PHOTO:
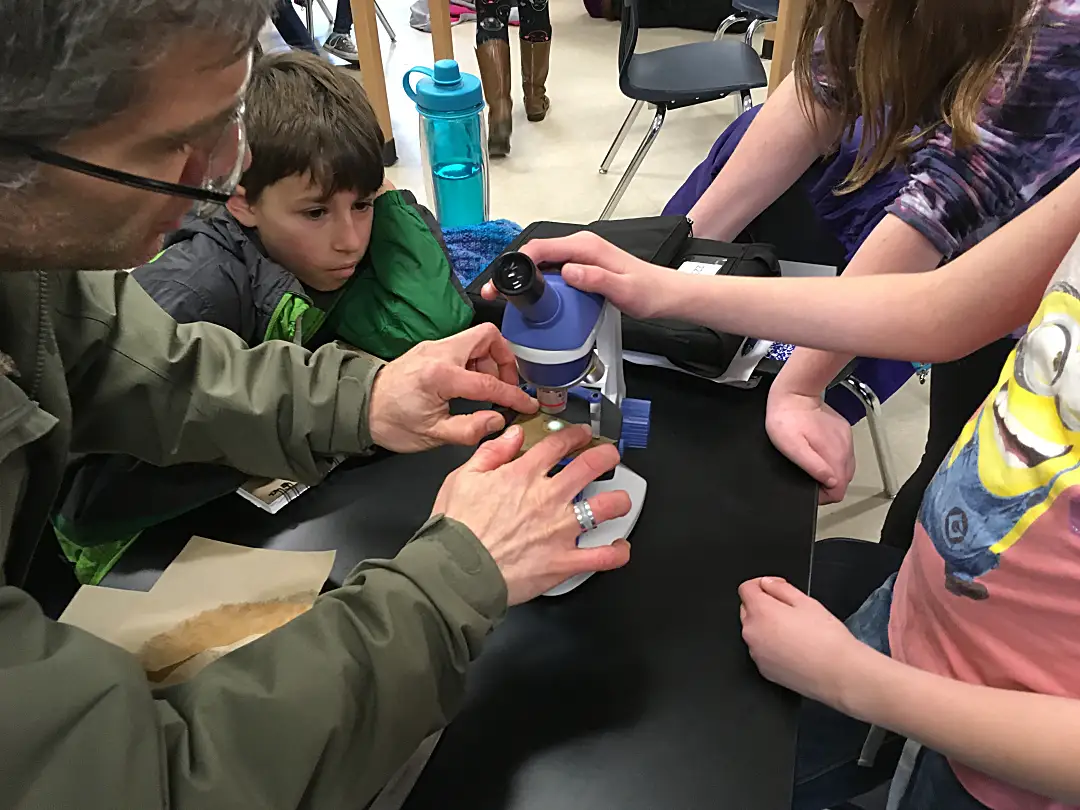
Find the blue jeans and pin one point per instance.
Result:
(295, 33)
(292, 30)
(934, 785)
(827, 770)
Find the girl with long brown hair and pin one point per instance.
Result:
(909, 130)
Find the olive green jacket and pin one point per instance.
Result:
(317, 714)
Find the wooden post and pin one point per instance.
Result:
(442, 43)
(785, 40)
(369, 54)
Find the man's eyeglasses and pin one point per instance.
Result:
(224, 166)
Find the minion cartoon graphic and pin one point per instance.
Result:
(1016, 456)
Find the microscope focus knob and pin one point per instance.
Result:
(635, 423)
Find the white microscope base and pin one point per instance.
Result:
(607, 533)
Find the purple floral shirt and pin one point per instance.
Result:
(1028, 142)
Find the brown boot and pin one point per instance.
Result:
(534, 73)
(494, 60)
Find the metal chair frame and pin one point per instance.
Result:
(627, 44)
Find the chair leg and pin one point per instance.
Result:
(746, 101)
(385, 23)
(876, 423)
(751, 29)
(635, 162)
(726, 24)
(325, 11)
(621, 136)
(310, 14)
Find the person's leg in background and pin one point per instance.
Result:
(535, 56)
(339, 41)
(493, 57)
(957, 389)
(292, 30)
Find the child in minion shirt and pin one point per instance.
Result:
(972, 650)
(990, 591)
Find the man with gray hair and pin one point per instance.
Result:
(115, 116)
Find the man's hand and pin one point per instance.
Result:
(797, 643)
(813, 436)
(592, 264)
(524, 518)
(410, 401)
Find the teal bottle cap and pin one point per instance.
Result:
(445, 89)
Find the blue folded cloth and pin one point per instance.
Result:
(781, 352)
(472, 248)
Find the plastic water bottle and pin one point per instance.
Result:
(453, 142)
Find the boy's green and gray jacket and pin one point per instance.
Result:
(404, 292)
(314, 715)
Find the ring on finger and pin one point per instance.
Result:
(584, 514)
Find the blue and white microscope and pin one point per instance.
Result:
(568, 346)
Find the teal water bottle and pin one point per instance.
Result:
(453, 142)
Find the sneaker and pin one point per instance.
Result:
(341, 46)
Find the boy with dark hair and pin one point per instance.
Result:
(315, 246)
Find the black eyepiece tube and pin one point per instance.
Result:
(517, 279)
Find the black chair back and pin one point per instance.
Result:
(628, 36)
(763, 9)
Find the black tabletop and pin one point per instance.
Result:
(635, 690)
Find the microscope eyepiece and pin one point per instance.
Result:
(515, 275)
(517, 278)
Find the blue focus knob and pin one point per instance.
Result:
(635, 423)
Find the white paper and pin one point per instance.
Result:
(213, 597)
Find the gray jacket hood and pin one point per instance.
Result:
(204, 254)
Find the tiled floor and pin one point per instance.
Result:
(552, 174)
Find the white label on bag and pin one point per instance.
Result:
(702, 268)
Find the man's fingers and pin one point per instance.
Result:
(605, 506)
(601, 558)
(484, 365)
(468, 428)
(783, 591)
(484, 341)
(497, 452)
(493, 349)
(488, 292)
(494, 352)
(460, 383)
(585, 469)
(557, 446)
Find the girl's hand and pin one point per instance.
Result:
(592, 264)
(814, 436)
(797, 643)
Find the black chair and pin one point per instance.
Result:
(755, 13)
(671, 78)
